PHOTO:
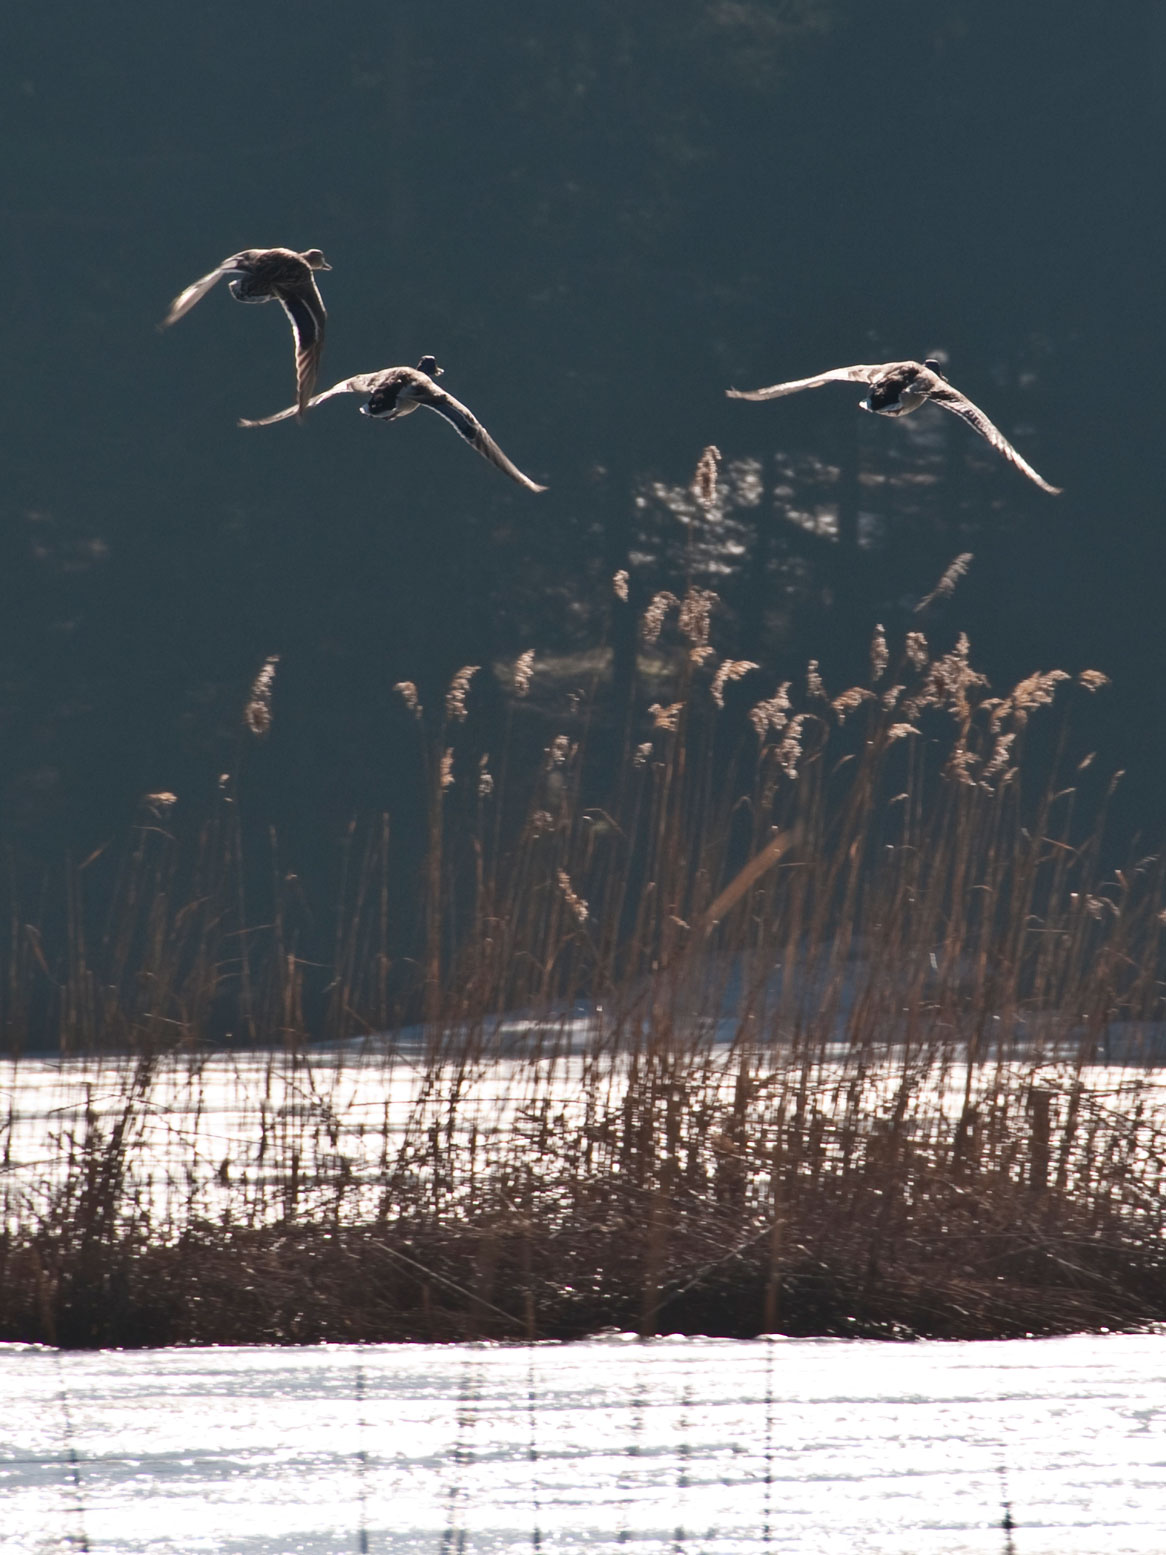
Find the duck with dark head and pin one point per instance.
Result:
(898, 388)
(399, 391)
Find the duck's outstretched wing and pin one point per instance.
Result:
(305, 308)
(857, 374)
(194, 293)
(362, 383)
(467, 424)
(959, 405)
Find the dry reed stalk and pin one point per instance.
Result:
(865, 1042)
(745, 877)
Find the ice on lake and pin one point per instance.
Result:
(675, 1444)
(214, 1132)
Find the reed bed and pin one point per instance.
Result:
(815, 1013)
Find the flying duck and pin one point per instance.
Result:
(896, 389)
(258, 275)
(397, 391)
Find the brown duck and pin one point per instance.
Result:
(398, 391)
(896, 389)
(258, 275)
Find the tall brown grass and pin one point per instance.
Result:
(830, 1016)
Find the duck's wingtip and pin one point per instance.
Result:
(175, 312)
(735, 394)
(534, 486)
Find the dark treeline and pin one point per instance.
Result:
(597, 217)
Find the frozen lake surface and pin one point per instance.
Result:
(819, 1446)
(213, 1132)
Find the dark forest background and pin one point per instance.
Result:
(597, 217)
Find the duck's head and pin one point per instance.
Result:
(934, 365)
(314, 259)
(428, 365)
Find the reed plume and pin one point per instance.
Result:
(916, 651)
(523, 672)
(849, 700)
(704, 481)
(575, 903)
(257, 712)
(728, 671)
(879, 656)
(946, 585)
(666, 717)
(654, 614)
(160, 803)
(407, 691)
(456, 710)
(772, 713)
(1092, 680)
(808, 1032)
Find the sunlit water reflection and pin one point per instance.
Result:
(677, 1444)
(216, 1132)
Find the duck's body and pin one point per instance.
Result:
(898, 388)
(397, 392)
(261, 274)
(902, 388)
